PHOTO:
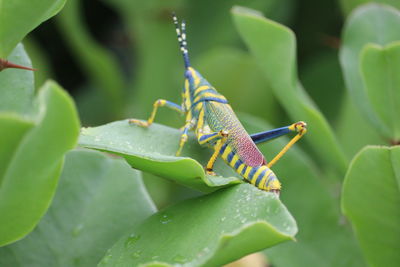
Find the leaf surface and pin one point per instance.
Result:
(98, 199)
(30, 178)
(19, 17)
(371, 23)
(206, 231)
(371, 200)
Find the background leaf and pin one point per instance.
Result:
(19, 17)
(349, 5)
(273, 46)
(379, 68)
(98, 199)
(207, 231)
(371, 199)
(365, 26)
(16, 85)
(29, 181)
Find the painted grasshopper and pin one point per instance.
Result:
(216, 125)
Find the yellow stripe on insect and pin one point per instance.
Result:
(240, 169)
(202, 88)
(226, 152)
(201, 119)
(195, 77)
(208, 95)
(262, 183)
(235, 158)
(254, 178)
(246, 174)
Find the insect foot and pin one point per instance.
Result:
(210, 172)
(139, 123)
(301, 127)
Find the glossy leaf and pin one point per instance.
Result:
(273, 45)
(371, 200)
(19, 17)
(153, 150)
(207, 231)
(370, 23)
(97, 200)
(16, 85)
(30, 178)
(379, 69)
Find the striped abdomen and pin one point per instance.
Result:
(260, 176)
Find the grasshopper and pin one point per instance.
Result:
(209, 114)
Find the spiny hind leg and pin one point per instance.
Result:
(301, 129)
(158, 103)
(220, 139)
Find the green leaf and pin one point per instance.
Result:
(12, 130)
(355, 131)
(370, 23)
(16, 85)
(31, 176)
(371, 200)
(98, 199)
(153, 149)
(207, 231)
(19, 17)
(379, 69)
(274, 47)
(311, 202)
(349, 5)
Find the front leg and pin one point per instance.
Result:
(158, 103)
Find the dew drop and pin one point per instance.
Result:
(131, 240)
(136, 254)
(165, 219)
(179, 258)
(106, 259)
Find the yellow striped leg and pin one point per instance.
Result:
(158, 103)
(217, 148)
(301, 129)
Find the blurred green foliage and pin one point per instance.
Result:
(350, 99)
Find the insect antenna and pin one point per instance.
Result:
(181, 33)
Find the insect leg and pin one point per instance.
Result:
(184, 136)
(158, 103)
(272, 134)
(217, 148)
(301, 129)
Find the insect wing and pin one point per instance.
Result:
(219, 117)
